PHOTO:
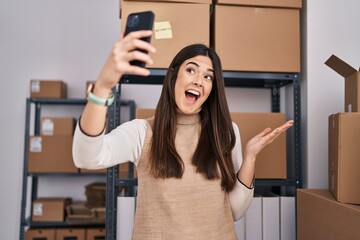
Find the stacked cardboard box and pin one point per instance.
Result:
(65, 233)
(260, 36)
(95, 194)
(48, 88)
(344, 135)
(49, 209)
(248, 35)
(177, 24)
(335, 212)
(320, 216)
(51, 152)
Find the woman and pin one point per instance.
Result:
(192, 180)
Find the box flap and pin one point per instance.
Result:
(340, 66)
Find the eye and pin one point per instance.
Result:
(190, 70)
(209, 77)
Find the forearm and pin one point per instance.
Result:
(247, 171)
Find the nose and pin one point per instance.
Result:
(198, 81)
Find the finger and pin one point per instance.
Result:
(264, 132)
(140, 56)
(136, 70)
(143, 45)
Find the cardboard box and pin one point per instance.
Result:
(36, 234)
(320, 216)
(176, 1)
(70, 233)
(51, 154)
(48, 88)
(258, 39)
(49, 209)
(176, 26)
(344, 152)
(144, 113)
(58, 126)
(352, 82)
(271, 161)
(265, 3)
(95, 233)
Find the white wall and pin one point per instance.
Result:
(331, 29)
(70, 39)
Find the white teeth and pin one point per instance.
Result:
(193, 92)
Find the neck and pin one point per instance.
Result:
(187, 119)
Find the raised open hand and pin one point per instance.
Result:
(266, 137)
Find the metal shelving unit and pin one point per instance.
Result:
(34, 177)
(271, 81)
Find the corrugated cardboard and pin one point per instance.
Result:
(57, 126)
(49, 209)
(48, 88)
(95, 233)
(35, 234)
(344, 161)
(259, 39)
(51, 154)
(320, 216)
(271, 161)
(70, 233)
(352, 82)
(189, 24)
(265, 3)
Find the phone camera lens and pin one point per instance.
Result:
(133, 21)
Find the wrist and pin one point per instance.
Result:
(100, 96)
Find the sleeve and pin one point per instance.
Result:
(123, 144)
(241, 196)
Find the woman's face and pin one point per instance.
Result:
(193, 84)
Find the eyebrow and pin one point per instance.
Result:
(194, 63)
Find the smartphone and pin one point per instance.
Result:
(139, 21)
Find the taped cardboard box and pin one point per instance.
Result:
(41, 233)
(352, 82)
(257, 38)
(49, 209)
(48, 88)
(271, 162)
(344, 152)
(57, 126)
(176, 26)
(50, 154)
(320, 216)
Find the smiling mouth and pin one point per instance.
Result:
(192, 95)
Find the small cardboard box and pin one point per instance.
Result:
(49, 209)
(344, 152)
(257, 38)
(48, 88)
(51, 154)
(56, 126)
(320, 216)
(263, 3)
(70, 233)
(176, 26)
(36, 234)
(271, 161)
(95, 233)
(352, 82)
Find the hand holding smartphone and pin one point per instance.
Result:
(139, 21)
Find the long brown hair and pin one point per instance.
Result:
(217, 136)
